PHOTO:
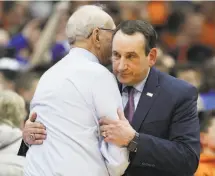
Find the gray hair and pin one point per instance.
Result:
(86, 18)
(12, 108)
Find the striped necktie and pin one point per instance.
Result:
(130, 107)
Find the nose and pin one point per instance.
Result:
(122, 65)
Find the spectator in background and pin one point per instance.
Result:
(25, 85)
(192, 74)
(9, 68)
(14, 15)
(12, 113)
(207, 157)
(165, 63)
(4, 37)
(208, 89)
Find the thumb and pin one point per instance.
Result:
(121, 114)
(33, 116)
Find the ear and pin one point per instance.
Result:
(95, 37)
(203, 139)
(152, 56)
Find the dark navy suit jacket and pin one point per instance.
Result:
(168, 124)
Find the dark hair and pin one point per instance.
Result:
(130, 27)
(24, 80)
(206, 120)
(174, 21)
(8, 6)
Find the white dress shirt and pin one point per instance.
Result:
(69, 100)
(138, 91)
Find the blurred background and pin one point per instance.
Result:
(32, 39)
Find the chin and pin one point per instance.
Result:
(123, 80)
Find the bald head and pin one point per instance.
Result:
(85, 19)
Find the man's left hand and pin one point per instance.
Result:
(118, 132)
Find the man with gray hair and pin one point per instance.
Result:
(71, 97)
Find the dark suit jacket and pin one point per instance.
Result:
(168, 124)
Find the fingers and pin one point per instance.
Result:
(121, 114)
(105, 128)
(35, 125)
(106, 121)
(37, 131)
(37, 142)
(33, 116)
(40, 137)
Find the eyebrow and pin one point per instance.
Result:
(131, 52)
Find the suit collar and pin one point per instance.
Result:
(85, 53)
(148, 96)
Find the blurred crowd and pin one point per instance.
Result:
(32, 39)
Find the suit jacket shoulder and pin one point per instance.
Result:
(176, 88)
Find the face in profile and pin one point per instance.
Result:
(105, 37)
(129, 59)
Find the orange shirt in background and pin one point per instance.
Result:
(208, 34)
(206, 166)
(157, 12)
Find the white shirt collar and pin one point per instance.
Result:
(90, 56)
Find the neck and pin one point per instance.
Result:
(85, 45)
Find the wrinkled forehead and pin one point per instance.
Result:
(122, 41)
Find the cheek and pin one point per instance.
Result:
(138, 67)
(115, 65)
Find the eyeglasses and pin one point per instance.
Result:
(111, 30)
(104, 29)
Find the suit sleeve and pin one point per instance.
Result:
(23, 149)
(107, 99)
(179, 154)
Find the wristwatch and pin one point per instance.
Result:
(132, 146)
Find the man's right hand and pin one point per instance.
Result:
(34, 133)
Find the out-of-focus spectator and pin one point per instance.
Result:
(14, 15)
(192, 74)
(207, 36)
(12, 113)
(40, 9)
(165, 63)
(25, 85)
(9, 68)
(4, 37)
(207, 157)
(208, 89)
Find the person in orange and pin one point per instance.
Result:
(207, 157)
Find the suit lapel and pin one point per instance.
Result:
(120, 87)
(149, 94)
